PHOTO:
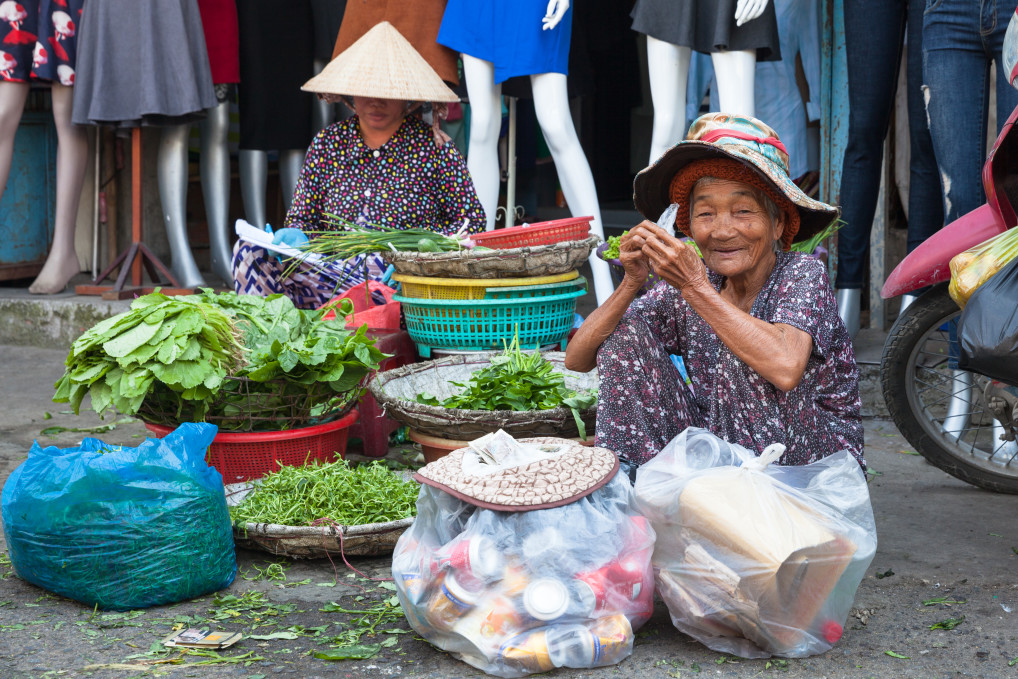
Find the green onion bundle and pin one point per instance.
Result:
(349, 496)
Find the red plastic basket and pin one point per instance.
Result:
(542, 233)
(252, 455)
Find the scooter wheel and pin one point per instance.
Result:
(938, 408)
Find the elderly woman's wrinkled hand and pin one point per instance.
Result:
(634, 261)
(673, 260)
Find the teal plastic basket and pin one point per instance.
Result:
(483, 324)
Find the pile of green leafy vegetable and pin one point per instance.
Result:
(349, 496)
(517, 380)
(181, 345)
(348, 239)
(806, 246)
(290, 367)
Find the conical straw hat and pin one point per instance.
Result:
(382, 63)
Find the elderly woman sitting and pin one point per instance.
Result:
(757, 327)
(382, 167)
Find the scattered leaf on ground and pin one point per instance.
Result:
(354, 652)
(950, 623)
(897, 655)
(886, 574)
(274, 635)
(942, 600)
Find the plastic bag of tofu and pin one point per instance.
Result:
(752, 558)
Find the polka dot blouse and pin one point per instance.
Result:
(408, 182)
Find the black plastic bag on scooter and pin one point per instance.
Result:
(988, 328)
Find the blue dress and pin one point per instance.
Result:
(509, 34)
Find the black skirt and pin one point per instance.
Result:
(708, 26)
(276, 58)
(328, 15)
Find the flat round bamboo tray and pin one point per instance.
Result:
(435, 448)
(396, 391)
(314, 542)
(535, 260)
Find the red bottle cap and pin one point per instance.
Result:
(832, 631)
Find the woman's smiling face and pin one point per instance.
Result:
(731, 225)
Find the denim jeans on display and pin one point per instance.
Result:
(960, 39)
(874, 31)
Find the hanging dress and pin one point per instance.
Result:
(219, 21)
(276, 58)
(509, 34)
(416, 20)
(708, 26)
(39, 40)
(141, 63)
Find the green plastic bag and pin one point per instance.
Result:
(121, 528)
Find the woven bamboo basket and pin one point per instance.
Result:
(536, 260)
(314, 542)
(396, 391)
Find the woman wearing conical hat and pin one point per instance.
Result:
(382, 167)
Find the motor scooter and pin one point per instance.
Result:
(960, 422)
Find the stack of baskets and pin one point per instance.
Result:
(452, 313)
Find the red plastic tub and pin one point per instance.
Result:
(251, 455)
(541, 233)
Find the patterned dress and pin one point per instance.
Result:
(408, 182)
(39, 40)
(644, 403)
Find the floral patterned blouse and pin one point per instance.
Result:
(408, 182)
(818, 417)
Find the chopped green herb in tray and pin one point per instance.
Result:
(349, 496)
(517, 381)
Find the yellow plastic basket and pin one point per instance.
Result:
(425, 287)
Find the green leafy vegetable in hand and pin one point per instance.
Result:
(520, 381)
(349, 496)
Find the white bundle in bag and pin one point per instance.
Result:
(752, 558)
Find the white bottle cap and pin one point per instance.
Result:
(546, 599)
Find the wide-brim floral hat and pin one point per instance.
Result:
(741, 138)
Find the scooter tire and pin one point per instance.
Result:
(900, 381)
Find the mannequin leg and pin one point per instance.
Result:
(485, 121)
(254, 173)
(172, 172)
(322, 112)
(668, 66)
(735, 72)
(290, 163)
(12, 104)
(551, 99)
(215, 186)
(72, 157)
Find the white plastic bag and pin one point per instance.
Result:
(514, 593)
(752, 558)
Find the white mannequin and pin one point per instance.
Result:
(254, 173)
(215, 181)
(72, 157)
(551, 102)
(668, 66)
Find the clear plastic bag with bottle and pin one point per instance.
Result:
(515, 593)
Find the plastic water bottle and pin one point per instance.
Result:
(571, 646)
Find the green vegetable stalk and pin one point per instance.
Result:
(519, 381)
(349, 496)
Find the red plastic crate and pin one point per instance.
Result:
(251, 455)
(542, 233)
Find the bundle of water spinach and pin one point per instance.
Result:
(336, 491)
(517, 380)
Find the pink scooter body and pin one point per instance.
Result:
(930, 262)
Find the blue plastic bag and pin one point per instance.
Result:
(121, 528)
